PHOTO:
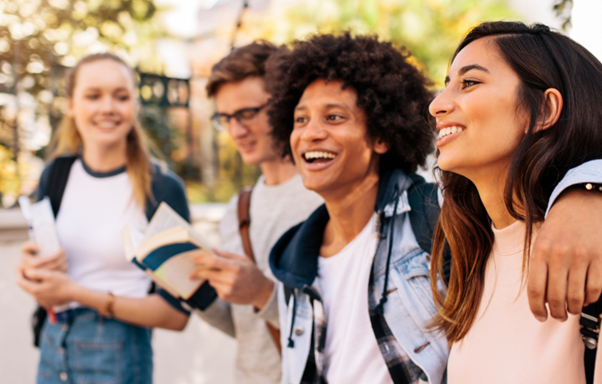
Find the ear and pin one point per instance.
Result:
(70, 109)
(381, 147)
(552, 107)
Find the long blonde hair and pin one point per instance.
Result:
(67, 140)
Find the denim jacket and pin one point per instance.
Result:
(413, 354)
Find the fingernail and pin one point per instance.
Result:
(541, 319)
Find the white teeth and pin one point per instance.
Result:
(448, 131)
(107, 124)
(319, 155)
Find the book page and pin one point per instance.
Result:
(131, 240)
(175, 272)
(164, 218)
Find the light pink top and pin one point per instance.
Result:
(506, 344)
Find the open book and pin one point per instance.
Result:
(161, 251)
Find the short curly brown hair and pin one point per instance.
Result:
(393, 93)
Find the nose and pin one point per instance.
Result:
(107, 104)
(236, 129)
(441, 105)
(314, 131)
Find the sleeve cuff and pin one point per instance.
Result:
(176, 303)
(590, 172)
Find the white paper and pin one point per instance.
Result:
(42, 228)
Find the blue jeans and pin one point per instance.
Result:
(87, 348)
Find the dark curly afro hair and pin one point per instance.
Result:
(393, 93)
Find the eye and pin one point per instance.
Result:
(123, 97)
(334, 117)
(468, 83)
(92, 96)
(300, 120)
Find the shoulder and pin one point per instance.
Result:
(164, 181)
(168, 187)
(63, 162)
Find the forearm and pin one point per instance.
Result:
(150, 311)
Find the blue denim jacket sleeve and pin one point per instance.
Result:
(590, 172)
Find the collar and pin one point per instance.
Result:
(294, 258)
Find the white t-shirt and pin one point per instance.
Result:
(93, 210)
(351, 353)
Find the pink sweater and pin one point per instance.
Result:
(506, 344)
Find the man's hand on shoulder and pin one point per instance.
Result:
(235, 278)
(566, 260)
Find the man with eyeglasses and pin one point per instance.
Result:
(247, 307)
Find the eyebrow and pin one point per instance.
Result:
(467, 68)
(327, 106)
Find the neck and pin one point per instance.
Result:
(491, 192)
(349, 213)
(105, 158)
(277, 171)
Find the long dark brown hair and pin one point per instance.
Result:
(542, 59)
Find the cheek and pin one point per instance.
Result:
(294, 142)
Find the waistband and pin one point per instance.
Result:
(70, 314)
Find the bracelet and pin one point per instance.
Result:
(108, 309)
(593, 187)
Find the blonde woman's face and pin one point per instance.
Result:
(103, 105)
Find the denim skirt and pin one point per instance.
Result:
(86, 348)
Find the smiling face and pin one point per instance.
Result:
(329, 141)
(253, 139)
(479, 123)
(103, 105)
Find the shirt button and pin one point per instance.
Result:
(60, 351)
(298, 331)
(63, 376)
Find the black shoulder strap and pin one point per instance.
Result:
(57, 181)
(424, 201)
(590, 329)
(59, 174)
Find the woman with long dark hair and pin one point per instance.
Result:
(520, 108)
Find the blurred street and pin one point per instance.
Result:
(198, 355)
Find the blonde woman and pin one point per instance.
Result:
(105, 179)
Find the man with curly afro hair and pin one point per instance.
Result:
(355, 297)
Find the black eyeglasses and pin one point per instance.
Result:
(245, 116)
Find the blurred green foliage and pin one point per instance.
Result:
(39, 39)
(430, 29)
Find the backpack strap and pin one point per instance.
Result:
(590, 329)
(244, 221)
(57, 181)
(59, 174)
(424, 203)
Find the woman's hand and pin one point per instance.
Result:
(48, 287)
(29, 259)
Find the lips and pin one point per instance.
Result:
(317, 160)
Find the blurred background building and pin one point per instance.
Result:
(173, 44)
